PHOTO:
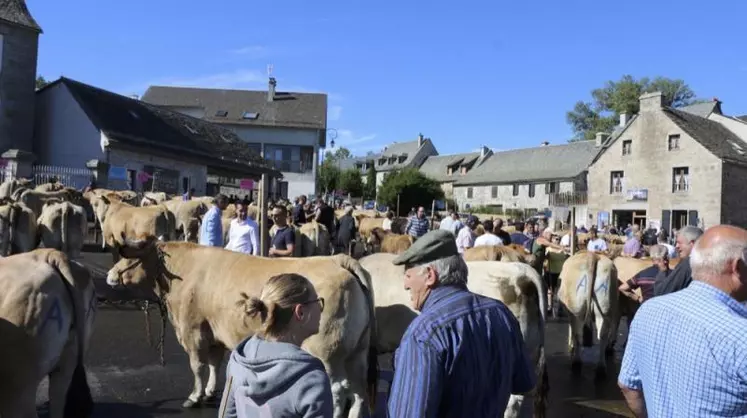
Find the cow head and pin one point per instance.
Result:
(138, 266)
(101, 203)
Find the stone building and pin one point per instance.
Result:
(19, 44)
(671, 167)
(526, 181)
(447, 169)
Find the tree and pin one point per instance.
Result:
(351, 182)
(329, 176)
(369, 189)
(340, 153)
(622, 96)
(41, 82)
(412, 186)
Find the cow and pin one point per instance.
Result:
(366, 225)
(50, 187)
(389, 242)
(120, 221)
(518, 285)
(497, 253)
(35, 200)
(154, 198)
(18, 232)
(8, 187)
(63, 226)
(312, 238)
(206, 288)
(588, 289)
(188, 216)
(47, 310)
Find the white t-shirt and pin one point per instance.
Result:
(386, 225)
(465, 239)
(243, 236)
(566, 240)
(488, 239)
(597, 245)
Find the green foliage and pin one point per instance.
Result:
(622, 96)
(351, 182)
(412, 186)
(369, 189)
(340, 153)
(488, 210)
(328, 176)
(41, 82)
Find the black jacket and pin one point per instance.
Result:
(677, 279)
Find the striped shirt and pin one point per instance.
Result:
(416, 227)
(461, 357)
(687, 352)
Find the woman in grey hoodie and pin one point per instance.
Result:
(269, 375)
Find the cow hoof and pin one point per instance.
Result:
(189, 403)
(209, 399)
(601, 373)
(576, 366)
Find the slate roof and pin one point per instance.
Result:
(742, 118)
(288, 110)
(703, 109)
(409, 149)
(715, 137)
(16, 12)
(134, 123)
(537, 164)
(436, 166)
(348, 163)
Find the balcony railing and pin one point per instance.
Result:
(292, 166)
(568, 198)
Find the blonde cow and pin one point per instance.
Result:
(63, 226)
(47, 310)
(312, 238)
(516, 284)
(588, 290)
(389, 242)
(17, 228)
(206, 290)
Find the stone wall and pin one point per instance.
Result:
(734, 204)
(482, 195)
(17, 86)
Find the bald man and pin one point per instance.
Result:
(688, 349)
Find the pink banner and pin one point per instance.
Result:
(246, 184)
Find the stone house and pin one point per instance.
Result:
(670, 167)
(145, 146)
(526, 181)
(401, 155)
(286, 128)
(446, 169)
(19, 44)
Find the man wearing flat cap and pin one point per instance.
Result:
(464, 354)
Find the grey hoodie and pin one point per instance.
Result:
(274, 379)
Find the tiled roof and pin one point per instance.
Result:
(703, 109)
(408, 149)
(436, 166)
(537, 164)
(16, 12)
(135, 123)
(712, 135)
(289, 110)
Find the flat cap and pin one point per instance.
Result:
(432, 246)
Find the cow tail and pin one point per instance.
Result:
(15, 211)
(63, 226)
(543, 386)
(78, 401)
(591, 270)
(364, 278)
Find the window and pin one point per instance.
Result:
(221, 113)
(673, 142)
(627, 147)
(680, 179)
(551, 187)
(531, 190)
(469, 193)
(291, 159)
(250, 115)
(402, 159)
(616, 182)
(494, 192)
(515, 191)
(450, 170)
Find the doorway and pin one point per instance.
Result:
(622, 218)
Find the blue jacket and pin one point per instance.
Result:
(211, 231)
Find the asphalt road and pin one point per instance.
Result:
(128, 381)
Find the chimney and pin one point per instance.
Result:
(135, 96)
(483, 151)
(271, 89)
(601, 137)
(651, 101)
(420, 140)
(544, 143)
(623, 119)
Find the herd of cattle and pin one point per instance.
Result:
(48, 302)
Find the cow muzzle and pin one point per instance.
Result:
(113, 280)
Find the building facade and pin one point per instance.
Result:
(287, 129)
(670, 168)
(447, 169)
(19, 44)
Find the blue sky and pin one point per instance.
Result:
(502, 74)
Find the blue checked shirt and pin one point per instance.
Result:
(687, 352)
(416, 227)
(461, 357)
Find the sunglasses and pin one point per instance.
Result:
(318, 300)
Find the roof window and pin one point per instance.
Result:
(250, 115)
(221, 113)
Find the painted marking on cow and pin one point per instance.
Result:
(605, 285)
(581, 283)
(54, 313)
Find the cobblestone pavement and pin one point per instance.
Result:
(128, 381)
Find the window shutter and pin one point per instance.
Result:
(666, 220)
(692, 217)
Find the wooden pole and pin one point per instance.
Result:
(264, 230)
(433, 213)
(397, 204)
(573, 233)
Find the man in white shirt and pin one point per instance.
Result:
(595, 243)
(488, 238)
(465, 237)
(243, 235)
(448, 223)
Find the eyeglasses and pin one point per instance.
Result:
(319, 300)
